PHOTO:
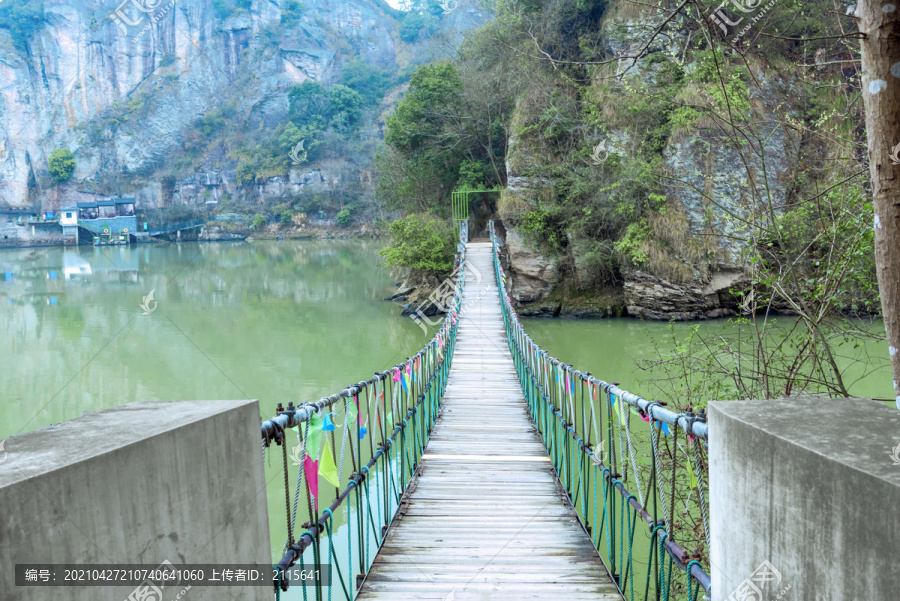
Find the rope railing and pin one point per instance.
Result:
(586, 426)
(387, 421)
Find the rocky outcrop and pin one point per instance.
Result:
(422, 295)
(523, 186)
(650, 297)
(570, 311)
(532, 276)
(710, 168)
(217, 233)
(695, 260)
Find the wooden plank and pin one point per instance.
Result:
(475, 576)
(564, 562)
(442, 592)
(507, 589)
(445, 509)
(485, 517)
(492, 458)
(468, 555)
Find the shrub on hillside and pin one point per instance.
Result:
(62, 164)
(421, 242)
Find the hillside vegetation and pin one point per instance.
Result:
(666, 163)
(653, 160)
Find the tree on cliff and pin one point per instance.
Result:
(445, 132)
(22, 19)
(62, 164)
(879, 23)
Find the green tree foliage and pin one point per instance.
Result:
(421, 242)
(473, 174)
(343, 218)
(316, 107)
(445, 133)
(291, 135)
(411, 26)
(259, 221)
(344, 106)
(540, 224)
(830, 248)
(224, 8)
(309, 104)
(22, 18)
(421, 20)
(61, 164)
(209, 128)
(370, 82)
(420, 117)
(212, 122)
(246, 172)
(291, 11)
(326, 120)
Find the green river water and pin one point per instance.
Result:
(274, 321)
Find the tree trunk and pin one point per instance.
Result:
(879, 21)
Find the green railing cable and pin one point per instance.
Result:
(552, 391)
(397, 407)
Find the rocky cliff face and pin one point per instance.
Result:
(708, 196)
(118, 84)
(532, 275)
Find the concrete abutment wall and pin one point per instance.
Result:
(803, 500)
(138, 484)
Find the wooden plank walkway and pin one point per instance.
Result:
(485, 517)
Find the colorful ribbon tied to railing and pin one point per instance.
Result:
(366, 442)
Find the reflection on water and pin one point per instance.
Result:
(278, 322)
(74, 265)
(288, 321)
(611, 350)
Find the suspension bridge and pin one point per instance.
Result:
(479, 468)
(483, 468)
(447, 537)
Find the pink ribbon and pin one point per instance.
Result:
(311, 472)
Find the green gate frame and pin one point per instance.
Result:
(459, 203)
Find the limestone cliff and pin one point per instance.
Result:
(688, 247)
(119, 85)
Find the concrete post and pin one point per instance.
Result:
(138, 484)
(803, 500)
